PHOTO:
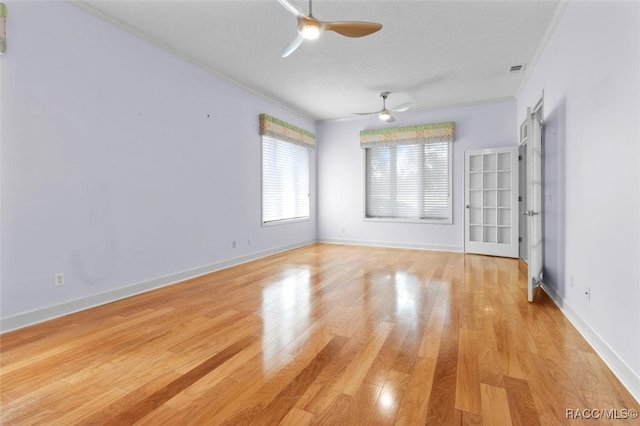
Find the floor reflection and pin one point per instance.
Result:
(405, 285)
(286, 306)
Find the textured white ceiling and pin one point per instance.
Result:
(432, 53)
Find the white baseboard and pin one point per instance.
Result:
(629, 378)
(50, 312)
(433, 247)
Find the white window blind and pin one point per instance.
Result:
(285, 180)
(409, 181)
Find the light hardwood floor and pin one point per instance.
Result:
(325, 334)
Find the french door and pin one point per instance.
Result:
(491, 218)
(533, 139)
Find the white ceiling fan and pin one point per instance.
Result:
(310, 28)
(385, 114)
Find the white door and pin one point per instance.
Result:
(522, 199)
(491, 201)
(534, 201)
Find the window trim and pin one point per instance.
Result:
(444, 221)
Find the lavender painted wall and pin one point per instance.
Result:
(590, 74)
(341, 174)
(122, 163)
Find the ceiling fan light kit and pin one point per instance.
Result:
(310, 30)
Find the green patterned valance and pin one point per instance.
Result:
(3, 28)
(271, 126)
(437, 132)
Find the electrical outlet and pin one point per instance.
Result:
(587, 293)
(59, 279)
(571, 280)
(233, 244)
(248, 241)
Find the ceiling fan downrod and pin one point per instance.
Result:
(384, 95)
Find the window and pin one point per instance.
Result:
(408, 173)
(285, 180)
(285, 170)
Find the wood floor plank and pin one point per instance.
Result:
(80, 412)
(289, 396)
(244, 398)
(491, 369)
(336, 413)
(432, 334)
(363, 406)
(148, 403)
(442, 410)
(322, 393)
(383, 362)
(323, 334)
(507, 346)
(297, 417)
(468, 377)
(468, 419)
(548, 399)
(495, 406)
(162, 415)
(56, 355)
(417, 396)
(521, 406)
(244, 401)
(356, 371)
(391, 396)
(608, 384)
(123, 408)
(412, 343)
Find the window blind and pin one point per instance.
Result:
(408, 181)
(285, 180)
(408, 172)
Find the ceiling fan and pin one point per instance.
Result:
(385, 114)
(309, 27)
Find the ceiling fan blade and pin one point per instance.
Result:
(291, 47)
(292, 7)
(352, 28)
(402, 107)
(366, 113)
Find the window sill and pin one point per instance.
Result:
(447, 221)
(285, 221)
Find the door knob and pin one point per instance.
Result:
(468, 206)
